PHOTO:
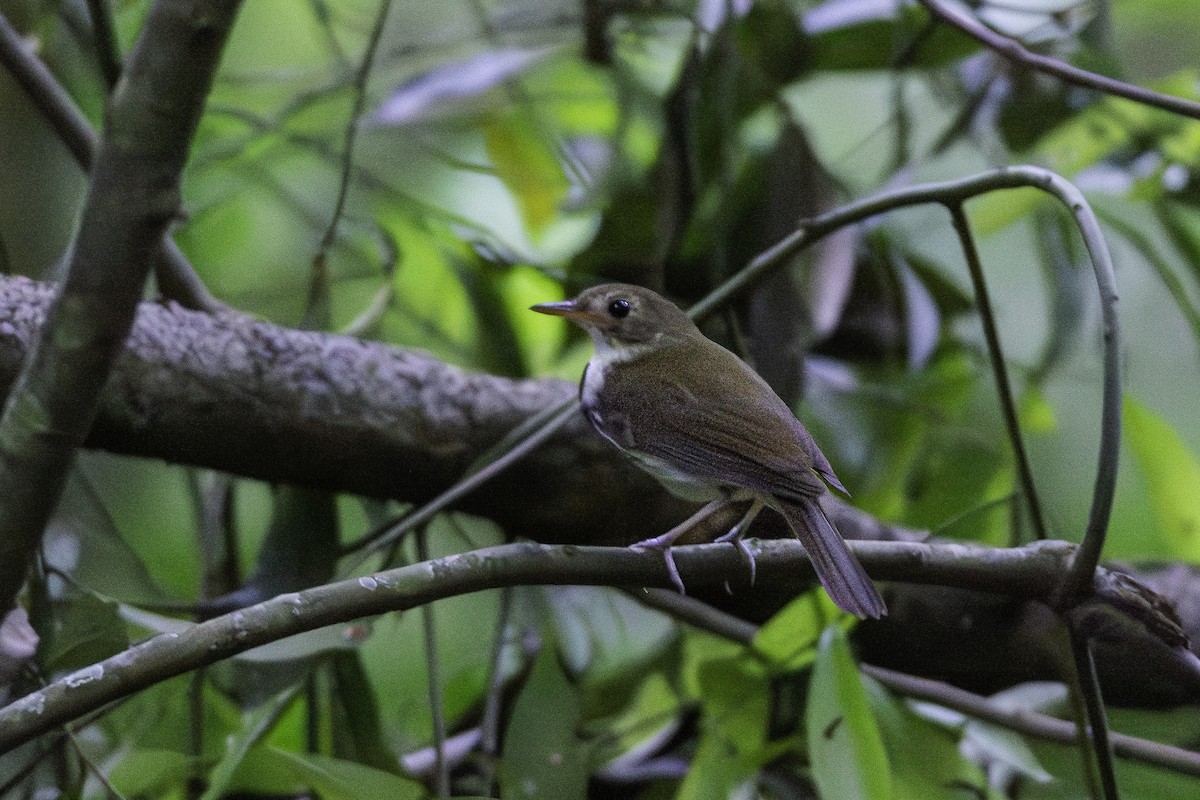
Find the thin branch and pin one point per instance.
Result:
(437, 713)
(108, 49)
(1008, 406)
(176, 277)
(48, 96)
(1015, 52)
(1032, 572)
(1095, 722)
(489, 724)
(1031, 723)
(133, 196)
(510, 453)
(318, 291)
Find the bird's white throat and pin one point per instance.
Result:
(605, 356)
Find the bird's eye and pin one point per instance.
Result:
(619, 308)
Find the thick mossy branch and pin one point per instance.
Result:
(332, 412)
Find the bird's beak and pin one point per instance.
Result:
(566, 308)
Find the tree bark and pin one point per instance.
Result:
(262, 401)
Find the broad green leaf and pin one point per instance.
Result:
(83, 541)
(735, 699)
(788, 639)
(926, 763)
(255, 725)
(1005, 753)
(151, 773)
(716, 772)
(734, 746)
(527, 160)
(543, 757)
(653, 712)
(1172, 474)
(357, 732)
(603, 633)
(270, 770)
(844, 741)
(89, 630)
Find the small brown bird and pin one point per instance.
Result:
(709, 428)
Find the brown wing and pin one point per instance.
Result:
(732, 430)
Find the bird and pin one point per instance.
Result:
(706, 425)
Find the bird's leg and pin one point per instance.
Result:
(738, 531)
(664, 542)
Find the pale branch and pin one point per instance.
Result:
(1034, 571)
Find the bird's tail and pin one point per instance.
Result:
(837, 568)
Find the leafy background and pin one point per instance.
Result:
(493, 164)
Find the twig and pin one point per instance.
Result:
(176, 277)
(320, 278)
(489, 724)
(999, 369)
(555, 417)
(1017, 53)
(108, 50)
(1094, 723)
(48, 96)
(436, 711)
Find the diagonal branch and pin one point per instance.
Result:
(176, 278)
(1008, 406)
(1017, 53)
(133, 196)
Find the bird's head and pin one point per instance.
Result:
(625, 318)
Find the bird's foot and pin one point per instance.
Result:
(664, 542)
(663, 545)
(734, 537)
(738, 531)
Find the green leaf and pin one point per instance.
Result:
(151, 773)
(788, 640)
(927, 763)
(603, 633)
(270, 770)
(83, 541)
(89, 631)
(255, 725)
(543, 757)
(844, 741)
(1172, 474)
(527, 161)
(735, 699)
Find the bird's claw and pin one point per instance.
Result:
(735, 538)
(663, 545)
